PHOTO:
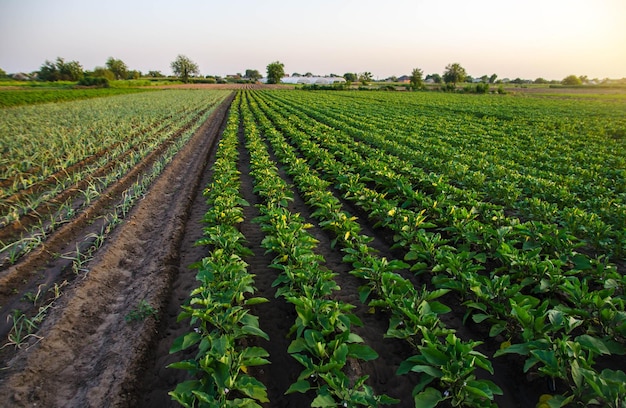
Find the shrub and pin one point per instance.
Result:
(99, 82)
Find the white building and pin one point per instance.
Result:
(308, 80)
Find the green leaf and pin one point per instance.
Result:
(480, 317)
(430, 370)
(434, 356)
(252, 387)
(186, 341)
(362, 352)
(301, 386)
(522, 349)
(581, 262)
(255, 301)
(255, 331)
(593, 343)
(429, 398)
(189, 365)
(324, 401)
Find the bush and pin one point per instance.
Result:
(482, 88)
(98, 82)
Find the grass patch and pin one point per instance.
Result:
(30, 96)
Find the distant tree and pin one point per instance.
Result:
(275, 72)
(308, 74)
(3, 73)
(571, 80)
(541, 81)
(416, 79)
(61, 70)
(133, 74)
(71, 71)
(435, 77)
(118, 67)
(454, 74)
(392, 78)
(365, 77)
(492, 78)
(253, 75)
(350, 77)
(183, 68)
(584, 79)
(155, 74)
(101, 72)
(296, 74)
(484, 79)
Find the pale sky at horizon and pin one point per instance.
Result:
(526, 39)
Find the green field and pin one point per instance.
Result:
(504, 219)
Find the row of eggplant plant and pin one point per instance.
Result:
(218, 309)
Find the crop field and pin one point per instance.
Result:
(284, 248)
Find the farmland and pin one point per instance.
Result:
(315, 249)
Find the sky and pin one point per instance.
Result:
(527, 39)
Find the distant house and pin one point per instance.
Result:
(404, 79)
(20, 76)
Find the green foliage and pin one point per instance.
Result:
(350, 77)
(365, 77)
(36, 96)
(571, 80)
(99, 82)
(117, 67)
(184, 68)
(60, 71)
(253, 75)
(416, 79)
(275, 72)
(454, 74)
(524, 280)
(142, 312)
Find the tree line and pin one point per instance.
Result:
(185, 69)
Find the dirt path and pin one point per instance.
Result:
(89, 355)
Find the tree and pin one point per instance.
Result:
(155, 74)
(492, 78)
(118, 67)
(101, 72)
(134, 74)
(253, 75)
(275, 72)
(3, 73)
(350, 77)
(61, 70)
(365, 77)
(571, 80)
(454, 74)
(183, 68)
(416, 79)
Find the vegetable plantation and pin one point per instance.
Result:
(347, 249)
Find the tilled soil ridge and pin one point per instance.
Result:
(89, 355)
